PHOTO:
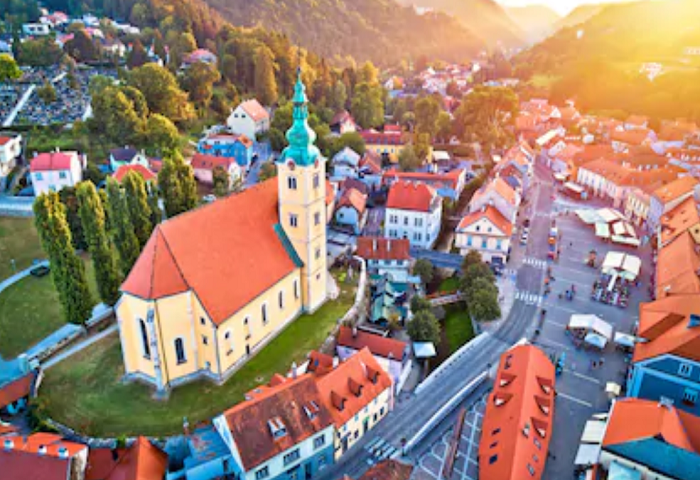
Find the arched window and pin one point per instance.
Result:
(144, 339)
(281, 299)
(180, 351)
(292, 183)
(264, 313)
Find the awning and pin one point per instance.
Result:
(613, 260)
(602, 230)
(632, 242)
(424, 349)
(632, 265)
(618, 471)
(592, 323)
(596, 340)
(587, 454)
(625, 339)
(589, 217)
(610, 215)
(594, 431)
(574, 187)
(561, 176)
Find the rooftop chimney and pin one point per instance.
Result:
(63, 452)
(354, 332)
(374, 244)
(42, 450)
(694, 320)
(294, 370)
(388, 245)
(666, 402)
(335, 362)
(8, 444)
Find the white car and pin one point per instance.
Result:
(524, 236)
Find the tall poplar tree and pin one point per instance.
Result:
(67, 269)
(137, 203)
(177, 185)
(122, 231)
(92, 216)
(155, 214)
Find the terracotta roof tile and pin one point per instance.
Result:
(388, 470)
(490, 213)
(380, 346)
(256, 111)
(677, 268)
(201, 161)
(226, 252)
(141, 461)
(676, 189)
(411, 196)
(379, 248)
(145, 173)
(53, 161)
(23, 462)
(354, 199)
(680, 220)
(520, 409)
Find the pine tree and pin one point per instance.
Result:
(92, 215)
(122, 231)
(137, 203)
(67, 269)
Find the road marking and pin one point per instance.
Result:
(559, 307)
(575, 400)
(558, 324)
(551, 343)
(584, 377)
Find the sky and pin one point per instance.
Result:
(560, 6)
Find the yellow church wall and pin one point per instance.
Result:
(129, 311)
(175, 317)
(233, 348)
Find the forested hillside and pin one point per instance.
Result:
(536, 21)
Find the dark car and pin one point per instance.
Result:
(40, 271)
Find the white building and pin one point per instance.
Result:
(346, 164)
(414, 212)
(499, 194)
(32, 29)
(351, 210)
(56, 170)
(488, 232)
(386, 256)
(250, 119)
(10, 149)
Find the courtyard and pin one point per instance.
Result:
(85, 391)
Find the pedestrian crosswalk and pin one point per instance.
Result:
(536, 262)
(529, 298)
(510, 272)
(380, 449)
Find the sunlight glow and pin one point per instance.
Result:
(562, 7)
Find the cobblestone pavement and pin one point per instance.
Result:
(429, 466)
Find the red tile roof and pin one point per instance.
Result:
(500, 187)
(256, 111)
(519, 412)
(379, 248)
(16, 389)
(145, 173)
(637, 120)
(287, 402)
(141, 461)
(352, 385)
(490, 213)
(630, 137)
(677, 268)
(23, 462)
(681, 219)
(666, 325)
(226, 252)
(378, 345)
(410, 196)
(201, 161)
(633, 419)
(52, 161)
(676, 189)
(388, 137)
(5, 140)
(435, 180)
(353, 198)
(371, 162)
(388, 470)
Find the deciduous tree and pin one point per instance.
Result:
(161, 91)
(161, 135)
(265, 82)
(408, 160)
(367, 105)
(424, 269)
(9, 70)
(487, 116)
(424, 327)
(221, 181)
(198, 80)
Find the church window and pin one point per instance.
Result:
(264, 314)
(180, 351)
(292, 183)
(229, 342)
(317, 180)
(144, 340)
(296, 289)
(281, 299)
(317, 218)
(293, 220)
(318, 253)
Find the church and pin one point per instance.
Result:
(214, 285)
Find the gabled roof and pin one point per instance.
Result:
(371, 162)
(380, 346)
(201, 161)
(388, 470)
(410, 196)
(435, 180)
(145, 173)
(518, 415)
(125, 154)
(23, 461)
(347, 155)
(676, 189)
(141, 461)
(227, 252)
(52, 161)
(352, 385)
(630, 137)
(491, 214)
(499, 187)
(352, 198)
(287, 405)
(254, 110)
(666, 325)
(681, 219)
(637, 120)
(379, 248)
(677, 268)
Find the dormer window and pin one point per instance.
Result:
(277, 427)
(311, 409)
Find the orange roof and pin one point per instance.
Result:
(353, 198)
(145, 173)
(256, 111)
(388, 470)
(352, 385)
(25, 462)
(380, 346)
(500, 187)
(630, 137)
(380, 248)
(518, 416)
(637, 120)
(677, 188)
(679, 220)
(677, 268)
(292, 404)
(667, 327)
(410, 196)
(490, 213)
(435, 180)
(141, 461)
(201, 161)
(594, 152)
(227, 252)
(16, 389)
(372, 162)
(636, 419)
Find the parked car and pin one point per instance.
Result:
(40, 271)
(524, 236)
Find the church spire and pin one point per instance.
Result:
(301, 137)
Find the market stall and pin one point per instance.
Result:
(580, 325)
(602, 230)
(595, 340)
(624, 342)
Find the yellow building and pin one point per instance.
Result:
(215, 285)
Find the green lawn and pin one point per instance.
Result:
(85, 391)
(457, 326)
(450, 284)
(29, 311)
(19, 241)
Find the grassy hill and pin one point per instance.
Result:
(379, 30)
(536, 21)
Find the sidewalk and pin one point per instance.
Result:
(79, 346)
(8, 282)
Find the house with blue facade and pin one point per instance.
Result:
(228, 145)
(666, 363)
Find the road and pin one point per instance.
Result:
(414, 411)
